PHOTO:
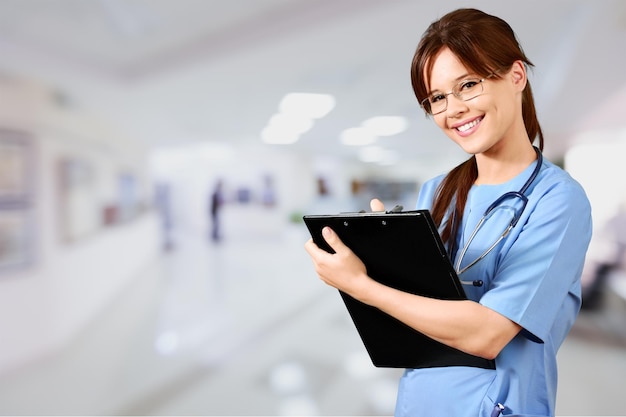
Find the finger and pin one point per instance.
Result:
(377, 205)
(312, 249)
(308, 246)
(333, 240)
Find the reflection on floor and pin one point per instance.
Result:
(245, 328)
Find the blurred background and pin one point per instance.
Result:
(156, 157)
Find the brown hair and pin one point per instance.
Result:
(484, 44)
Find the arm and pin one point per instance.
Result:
(464, 325)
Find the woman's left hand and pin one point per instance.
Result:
(343, 269)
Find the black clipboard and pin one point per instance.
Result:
(401, 250)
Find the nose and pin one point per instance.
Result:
(456, 106)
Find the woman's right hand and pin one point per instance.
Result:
(377, 205)
(342, 269)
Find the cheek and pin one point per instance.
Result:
(504, 115)
(440, 121)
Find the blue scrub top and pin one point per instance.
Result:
(533, 278)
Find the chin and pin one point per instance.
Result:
(470, 148)
(473, 145)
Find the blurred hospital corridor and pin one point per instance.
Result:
(157, 157)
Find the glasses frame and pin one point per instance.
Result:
(457, 95)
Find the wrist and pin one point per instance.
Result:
(367, 290)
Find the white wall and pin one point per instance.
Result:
(598, 164)
(44, 304)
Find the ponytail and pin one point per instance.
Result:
(531, 122)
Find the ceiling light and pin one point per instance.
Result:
(290, 123)
(308, 105)
(386, 125)
(276, 136)
(357, 136)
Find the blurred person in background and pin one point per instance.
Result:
(516, 227)
(610, 260)
(216, 201)
(164, 206)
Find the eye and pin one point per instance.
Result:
(436, 97)
(468, 85)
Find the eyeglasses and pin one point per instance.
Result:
(465, 90)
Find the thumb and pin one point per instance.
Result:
(332, 239)
(377, 205)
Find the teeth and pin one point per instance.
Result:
(468, 126)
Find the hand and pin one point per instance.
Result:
(377, 205)
(343, 269)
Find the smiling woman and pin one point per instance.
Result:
(516, 227)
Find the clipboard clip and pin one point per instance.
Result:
(397, 209)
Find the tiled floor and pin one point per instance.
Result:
(245, 328)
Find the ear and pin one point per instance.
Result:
(518, 75)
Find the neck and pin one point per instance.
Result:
(499, 167)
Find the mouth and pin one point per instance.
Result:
(466, 127)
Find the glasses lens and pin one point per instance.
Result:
(469, 89)
(426, 105)
(436, 103)
(465, 90)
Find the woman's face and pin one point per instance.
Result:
(486, 122)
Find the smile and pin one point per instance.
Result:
(467, 126)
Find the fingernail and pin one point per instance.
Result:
(326, 232)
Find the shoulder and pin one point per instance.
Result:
(557, 201)
(555, 181)
(427, 192)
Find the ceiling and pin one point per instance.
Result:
(180, 71)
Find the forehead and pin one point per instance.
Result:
(447, 70)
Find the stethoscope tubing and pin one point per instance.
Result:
(519, 194)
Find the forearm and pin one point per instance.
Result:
(464, 325)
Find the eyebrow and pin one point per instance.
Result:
(456, 81)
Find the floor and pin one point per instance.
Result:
(243, 327)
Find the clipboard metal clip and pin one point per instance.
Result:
(397, 209)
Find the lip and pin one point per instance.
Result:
(477, 120)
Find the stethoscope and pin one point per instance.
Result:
(518, 214)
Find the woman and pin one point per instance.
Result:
(523, 286)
